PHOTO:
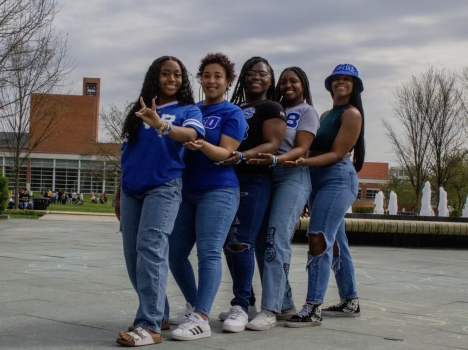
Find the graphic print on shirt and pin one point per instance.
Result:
(249, 112)
(270, 251)
(211, 122)
(166, 117)
(292, 120)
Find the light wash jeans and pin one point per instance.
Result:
(290, 190)
(254, 196)
(146, 222)
(204, 218)
(334, 189)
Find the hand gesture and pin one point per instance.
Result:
(298, 162)
(149, 115)
(194, 145)
(233, 159)
(262, 159)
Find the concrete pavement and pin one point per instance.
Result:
(63, 285)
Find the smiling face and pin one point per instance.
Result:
(342, 85)
(258, 79)
(214, 83)
(170, 81)
(291, 88)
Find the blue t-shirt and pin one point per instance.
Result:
(151, 160)
(201, 173)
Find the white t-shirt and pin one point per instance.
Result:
(300, 117)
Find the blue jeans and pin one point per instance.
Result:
(204, 218)
(146, 222)
(240, 243)
(334, 189)
(290, 190)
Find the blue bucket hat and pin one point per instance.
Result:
(345, 69)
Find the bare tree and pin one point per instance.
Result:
(36, 65)
(430, 109)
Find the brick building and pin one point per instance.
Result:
(69, 156)
(371, 177)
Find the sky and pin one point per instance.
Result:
(388, 41)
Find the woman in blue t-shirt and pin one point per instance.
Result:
(289, 193)
(149, 195)
(210, 200)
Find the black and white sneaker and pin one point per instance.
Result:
(309, 316)
(345, 308)
(193, 328)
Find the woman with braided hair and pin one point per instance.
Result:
(255, 94)
(290, 190)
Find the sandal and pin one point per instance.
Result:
(164, 327)
(140, 337)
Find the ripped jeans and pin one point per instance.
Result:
(146, 221)
(334, 189)
(240, 243)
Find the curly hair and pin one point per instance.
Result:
(223, 61)
(306, 94)
(150, 90)
(238, 96)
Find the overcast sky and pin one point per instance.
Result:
(388, 41)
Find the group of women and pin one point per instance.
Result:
(248, 168)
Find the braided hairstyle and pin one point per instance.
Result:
(360, 146)
(306, 94)
(150, 90)
(238, 97)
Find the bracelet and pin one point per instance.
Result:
(241, 157)
(275, 161)
(168, 129)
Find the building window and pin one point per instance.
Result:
(10, 174)
(371, 193)
(359, 194)
(42, 174)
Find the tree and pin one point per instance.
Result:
(35, 66)
(429, 109)
(457, 185)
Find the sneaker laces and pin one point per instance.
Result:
(234, 313)
(191, 322)
(338, 305)
(306, 310)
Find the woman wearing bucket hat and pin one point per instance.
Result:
(334, 189)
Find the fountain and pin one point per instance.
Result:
(378, 203)
(442, 209)
(392, 204)
(465, 209)
(426, 208)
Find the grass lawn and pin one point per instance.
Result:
(86, 207)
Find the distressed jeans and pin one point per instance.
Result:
(334, 189)
(146, 222)
(290, 190)
(240, 243)
(204, 219)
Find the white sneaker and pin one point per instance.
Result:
(252, 313)
(194, 328)
(263, 321)
(236, 321)
(182, 315)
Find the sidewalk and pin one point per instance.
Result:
(64, 285)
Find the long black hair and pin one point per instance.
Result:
(238, 96)
(150, 90)
(306, 94)
(360, 146)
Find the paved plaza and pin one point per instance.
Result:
(63, 285)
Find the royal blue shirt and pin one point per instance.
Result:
(201, 173)
(151, 160)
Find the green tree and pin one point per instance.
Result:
(404, 191)
(4, 193)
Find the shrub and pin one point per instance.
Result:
(4, 193)
(24, 212)
(456, 213)
(363, 210)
